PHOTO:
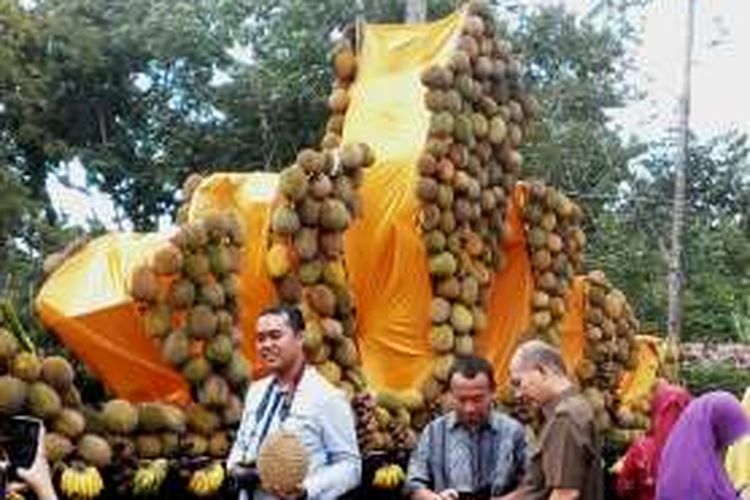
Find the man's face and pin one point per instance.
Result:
(472, 398)
(278, 345)
(529, 384)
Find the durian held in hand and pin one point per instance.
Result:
(282, 464)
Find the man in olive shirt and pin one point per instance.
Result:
(567, 464)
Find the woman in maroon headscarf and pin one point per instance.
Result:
(692, 462)
(636, 478)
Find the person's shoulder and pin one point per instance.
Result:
(575, 407)
(322, 391)
(259, 384)
(505, 423)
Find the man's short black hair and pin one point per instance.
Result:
(470, 366)
(292, 314)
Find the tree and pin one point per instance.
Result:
(674, 277)
(576, 71)
(631, 242)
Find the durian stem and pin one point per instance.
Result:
(8, 313)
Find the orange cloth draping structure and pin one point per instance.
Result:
(86, 301)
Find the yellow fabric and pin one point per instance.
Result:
(635, 385)
(86, 304)
(572, 328)
(385, 257)
(738, 456)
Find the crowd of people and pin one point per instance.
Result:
(476, 451)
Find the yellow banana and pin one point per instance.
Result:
(388, 477)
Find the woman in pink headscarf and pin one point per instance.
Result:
(692, 462)
(636, 479)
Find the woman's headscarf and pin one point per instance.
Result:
(692, 465)
(668, 403)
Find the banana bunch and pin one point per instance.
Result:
(207, 481)
(81, 482)
(149, 477)
(388, 477)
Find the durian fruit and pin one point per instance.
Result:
(57, 447)
(9, 346)
(182, 293)
(285, 221)
(94, 450)
(214, 393)
(149, 446)
(120, 416)
(212, 294)
(219, 350)
(219, 445)
(157, 417)
(158, 320)
(167, 260)
(232, 413)
(202, 420)
(194, 445)
(57, 372)
(278, 260)
(43, 401)
(13, 394)
(293, 183)
(144, 284)
(237, 372)
(176, 348)
(201, 322)
(69, 423)
(26, 366)
(555, 244)
(282, 462)
(170, 443)
(196, 370)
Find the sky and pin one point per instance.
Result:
(719, 86)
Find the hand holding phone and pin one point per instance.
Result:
(30, 463)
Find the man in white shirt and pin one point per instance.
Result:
(295, 397)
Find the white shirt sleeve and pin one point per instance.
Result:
(344, 468)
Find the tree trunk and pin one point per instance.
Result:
(416, 11)
(674, 279)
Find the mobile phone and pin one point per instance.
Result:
(19, 437)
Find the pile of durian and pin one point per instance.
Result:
(610, 330)
(188, 295)
(42, 387)
(555, 241)
(469, 167)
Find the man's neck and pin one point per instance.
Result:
(290, 377)
(557, 387)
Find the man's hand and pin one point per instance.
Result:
(425, 494)
(449, 494)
